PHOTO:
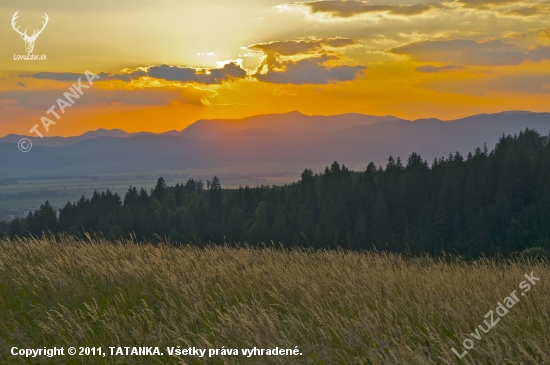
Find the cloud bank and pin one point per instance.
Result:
(430, 68)
(470, 52)
(310, 71)
(188, 74)
(164, 72)
(481, 4)
(348, 9)
(294, 47)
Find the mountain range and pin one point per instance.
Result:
(291, 138)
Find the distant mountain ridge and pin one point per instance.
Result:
(291, 138)
(293, 122)
(69, 141)
(206, 129)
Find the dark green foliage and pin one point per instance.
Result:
(534, 252)
(487, 203)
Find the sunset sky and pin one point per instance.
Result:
(165, 64)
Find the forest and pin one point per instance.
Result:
(484, 204)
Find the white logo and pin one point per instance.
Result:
(29, 41)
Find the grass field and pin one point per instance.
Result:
(338, 307)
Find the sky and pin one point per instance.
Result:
(164, 64)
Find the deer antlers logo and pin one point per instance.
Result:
(29, 41)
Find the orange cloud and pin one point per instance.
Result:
(516, 35)
(544, 34)
(43, 99)
(530, 83)
(196, 96)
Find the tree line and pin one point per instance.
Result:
(483, 204)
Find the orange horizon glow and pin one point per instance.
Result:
(445, 62)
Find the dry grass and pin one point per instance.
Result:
(339, 307)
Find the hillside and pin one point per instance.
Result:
(291, 138)
(485, 203)
(335, 307)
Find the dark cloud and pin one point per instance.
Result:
(228, 71)
(309, 71)
(188, 74)
(339, 42)
(539, 53)
(430, 68)
(73, 77)
(165, 72)
(527, 11)
(294, 47)
(410, 10)
(174, 73)
(19, 83)
(480, 4)
(126, 77)
(347, 9)
(469, 52)
(58, 76)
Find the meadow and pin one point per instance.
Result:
(337, 306)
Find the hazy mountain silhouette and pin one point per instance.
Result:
(69, 141)
(293, 122)
(291, 138)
